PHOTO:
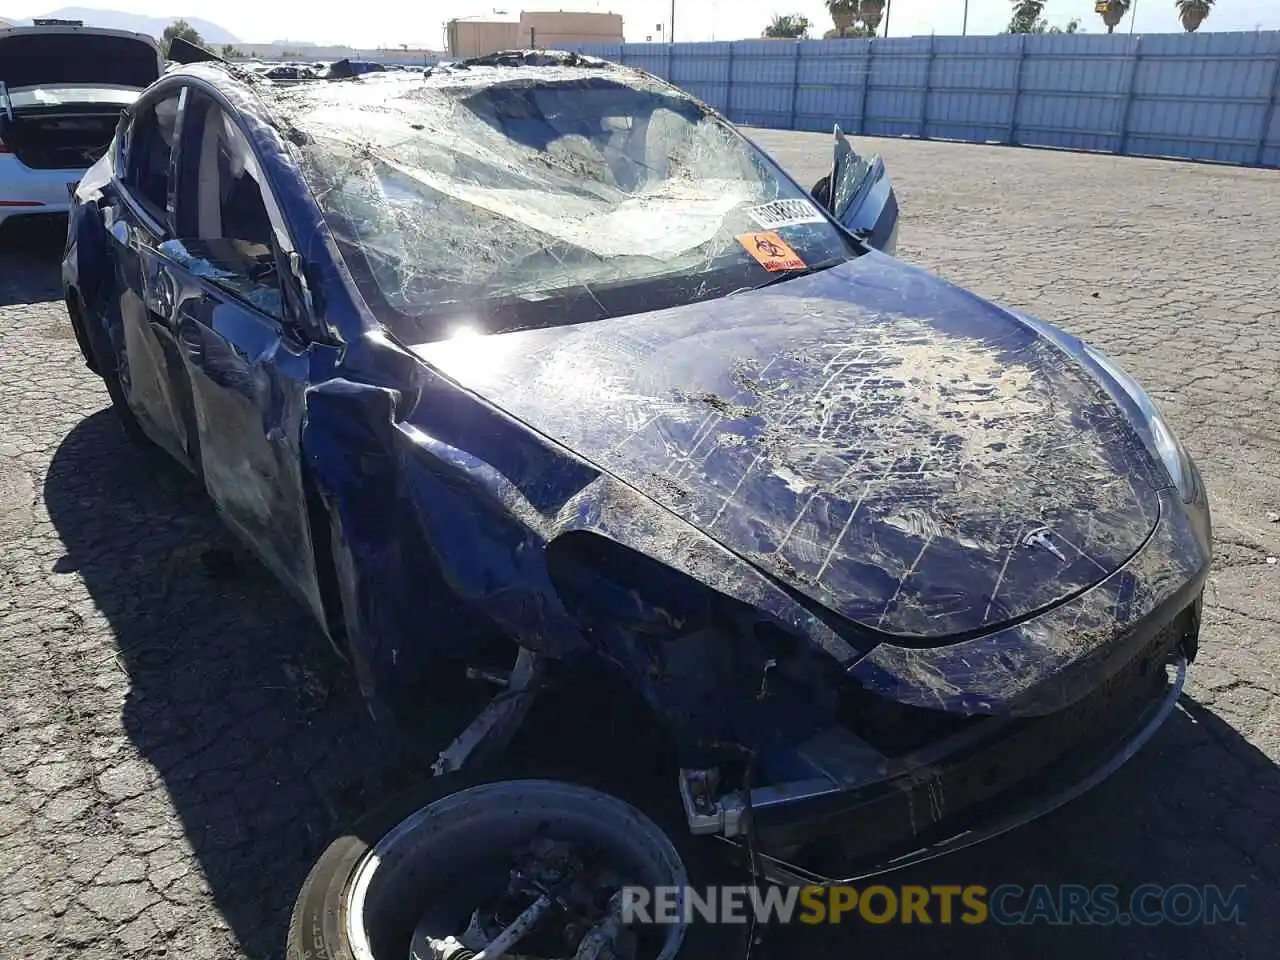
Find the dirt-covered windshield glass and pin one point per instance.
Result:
(540, 196)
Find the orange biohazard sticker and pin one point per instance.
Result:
(771, 251)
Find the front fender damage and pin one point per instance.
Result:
(429, 557)
(452, 523)
(445, 527)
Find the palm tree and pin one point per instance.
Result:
(871, 12)
(1026, 16)
(856, 18)
(844, 14)
(1192, 13)
(1114, 13)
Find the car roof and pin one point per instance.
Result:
(477, 72)
(326, 113)
(458, 76)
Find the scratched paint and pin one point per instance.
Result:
(885, 461)
(866, 458)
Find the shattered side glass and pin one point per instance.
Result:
(851, 171)
(456, 193)
(243, 268)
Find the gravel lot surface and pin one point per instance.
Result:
(177, 744)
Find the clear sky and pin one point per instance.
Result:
(367, 23)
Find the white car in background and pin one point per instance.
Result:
(63, 87)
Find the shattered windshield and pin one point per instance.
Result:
(545, 196)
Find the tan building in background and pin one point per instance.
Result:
(545, 30)
(474, 38)
(556, 30)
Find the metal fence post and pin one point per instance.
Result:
(795, 84)
(866, 86)
(924, 99)
(622, 54)
(1011, 137)
(1268, 114)
(1128, 97)
(671, 63)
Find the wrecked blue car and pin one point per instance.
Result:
(535, 366)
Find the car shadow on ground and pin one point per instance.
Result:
(265, 749)
(1185, 810)
(264, 746)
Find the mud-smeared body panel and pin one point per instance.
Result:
(860, 480)
(1048, 662)
(911, 457)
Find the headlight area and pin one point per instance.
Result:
(773, 742)
(1157, 433)
(742, 698)
(723, 680)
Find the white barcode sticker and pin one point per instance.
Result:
(785, 213)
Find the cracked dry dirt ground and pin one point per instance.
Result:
(176, 744)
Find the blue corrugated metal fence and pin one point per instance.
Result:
(1205, 96)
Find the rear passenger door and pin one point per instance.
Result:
(137, 219)
(244, 338)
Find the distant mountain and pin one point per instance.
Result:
(119, 20)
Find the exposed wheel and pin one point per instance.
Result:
(444, 860)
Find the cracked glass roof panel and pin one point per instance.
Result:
(501, 182)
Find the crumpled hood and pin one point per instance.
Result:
(913, 458)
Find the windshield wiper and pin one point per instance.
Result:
(791, 275)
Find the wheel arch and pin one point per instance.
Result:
(75, 313)
(321, 530)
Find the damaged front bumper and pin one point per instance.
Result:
(868, 816)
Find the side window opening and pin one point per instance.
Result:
(151, 142)
(224, 233)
